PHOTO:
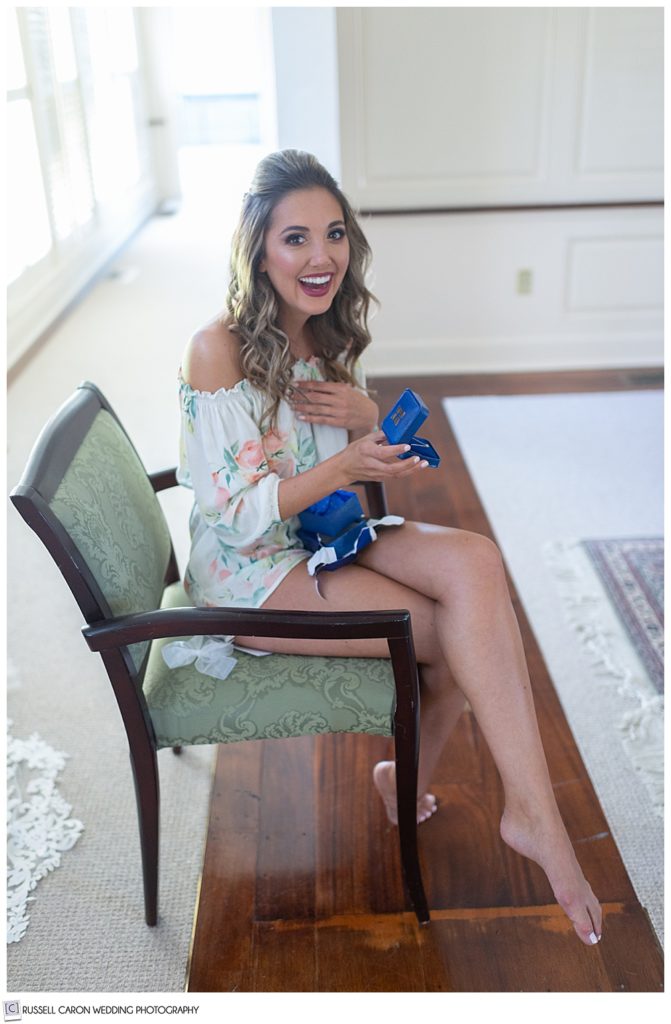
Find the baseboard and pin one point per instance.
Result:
(396, 356)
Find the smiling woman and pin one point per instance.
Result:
(297, 241)
(305, 262)
(276, 417)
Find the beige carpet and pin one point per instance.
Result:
(86, 931)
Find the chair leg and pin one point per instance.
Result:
(406, 802)
(145, 775)
(406, 740)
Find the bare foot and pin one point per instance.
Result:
(552, 850)
(384, 777)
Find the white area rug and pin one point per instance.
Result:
(555, 469)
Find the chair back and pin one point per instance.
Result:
(87, 495)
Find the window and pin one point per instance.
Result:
(73, 124)
(28, 228)
(112, 112)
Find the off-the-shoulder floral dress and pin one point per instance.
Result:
(241, 549)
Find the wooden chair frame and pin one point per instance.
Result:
(110, 636)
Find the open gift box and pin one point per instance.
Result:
(327, 519)
(335, 529)
(400, 425)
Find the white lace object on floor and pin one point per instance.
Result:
(39, 828)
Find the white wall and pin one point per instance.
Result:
(306, 80)
(448, 287)
(448, 108)
(463, 106)
(156, 43)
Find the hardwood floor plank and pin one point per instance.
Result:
(285, 883)
(284, 959)
(511, 950)
(358, 861)
(222, 940)
(369, 953)
(500, 949)
(462, 852)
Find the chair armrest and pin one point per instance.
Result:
(163, 479)
(166, 622)
(376, 498)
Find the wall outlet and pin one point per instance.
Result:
(524, 282)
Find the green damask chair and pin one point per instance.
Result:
(87, 496)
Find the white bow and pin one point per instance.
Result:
(212, 655)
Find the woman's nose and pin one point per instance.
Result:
(318, 254)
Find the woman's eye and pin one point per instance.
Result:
(294, 239)
(337, 233)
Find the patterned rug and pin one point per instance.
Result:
(613, 595)
(632, 572)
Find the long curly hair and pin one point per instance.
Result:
(251, 302)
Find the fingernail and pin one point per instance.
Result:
(406, 447)
(594, 938)
(424, 465)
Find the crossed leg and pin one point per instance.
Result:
(468, 645)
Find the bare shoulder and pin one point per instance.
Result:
(212, 358)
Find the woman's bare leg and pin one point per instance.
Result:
(353, 587)
(454, 585)
(464, 574)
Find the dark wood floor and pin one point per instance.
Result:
(301, 888)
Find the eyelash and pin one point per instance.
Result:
(296, 239)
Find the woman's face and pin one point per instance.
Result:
(306, 252)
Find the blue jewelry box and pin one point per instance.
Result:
(338, 522)
(330, 516)
(400, 425)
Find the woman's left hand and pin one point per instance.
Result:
(334, 403)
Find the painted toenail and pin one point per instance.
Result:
(594, 938)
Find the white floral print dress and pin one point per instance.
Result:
(241, 549)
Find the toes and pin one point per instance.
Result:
(426, 807)
(590, 938)
(594, 914)
(587, 924)
(385, 783)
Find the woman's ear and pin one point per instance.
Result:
(262, 266)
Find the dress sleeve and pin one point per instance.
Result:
(224, 462)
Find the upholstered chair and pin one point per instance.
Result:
(87, 495)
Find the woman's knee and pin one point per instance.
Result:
(478, 560)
